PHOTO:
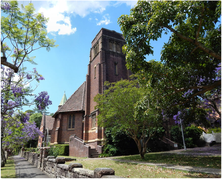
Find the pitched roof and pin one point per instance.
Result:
(76, 102)
(64, 99)
(49, 121)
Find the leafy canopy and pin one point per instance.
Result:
(22, 32)
(125, 105)
(190, 60)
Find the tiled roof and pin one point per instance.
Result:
(49, 121)
(76, 102)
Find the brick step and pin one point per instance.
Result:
(94, 153)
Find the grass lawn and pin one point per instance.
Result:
(9, 170)
(129, 170)
(178, 159)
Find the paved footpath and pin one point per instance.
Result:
(26, 170)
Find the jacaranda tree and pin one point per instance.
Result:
(22, 32)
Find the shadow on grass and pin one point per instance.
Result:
(175, 159)
(8, 171)
(202, 175)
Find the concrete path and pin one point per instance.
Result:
(26, 170)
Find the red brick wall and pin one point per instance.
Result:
(64, 133)
(104, 62)
(77, 148)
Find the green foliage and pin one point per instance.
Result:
(155, 144)
(59, 149)
(192, 52)
(22, 32)
(194, 133)
(176, 135)
(191, 134)
(130, 107)
(54, 151)
(104, 155)
(118, 143)
(32, 150)
(215, 130)
(37, 118)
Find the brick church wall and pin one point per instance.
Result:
(64, 132)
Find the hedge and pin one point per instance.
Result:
(59, 149)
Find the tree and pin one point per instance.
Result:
(18, 131)
(22, 32)
(15, 126)
(123, 104)
(190, 59)
(37, 118)
(118, 143)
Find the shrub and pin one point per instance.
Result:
(54, 151)
(155, 144)
(191, 134)
(59, 149)
(30, 149)
(118, 143)
(194, 133)
(176, 135)
(104, 155)
(215, 130)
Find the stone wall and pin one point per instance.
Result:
(56, 167)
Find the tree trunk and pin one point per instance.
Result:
(142, 154)
(3, 159)
(140, 147)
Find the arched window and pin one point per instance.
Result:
(93, 121)
(71, 122)
(116, 68)
(95, 71)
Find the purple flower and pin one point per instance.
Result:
(177, 117)
(42, 101)
(6, 6)
(187, 93)
(25, 117)
(17, 91)
(41, 78)
(28, 76)
(9, 132)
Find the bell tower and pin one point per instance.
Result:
(106, 63)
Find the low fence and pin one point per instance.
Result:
(56, 167)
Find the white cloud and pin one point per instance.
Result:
(58, 21)
(83, 8)
(59, 13)
(105, 20)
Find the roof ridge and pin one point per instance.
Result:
(68, 99)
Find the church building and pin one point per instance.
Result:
(75, 121)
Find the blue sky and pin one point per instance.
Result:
(74, 24)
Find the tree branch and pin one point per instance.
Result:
(198, 44)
